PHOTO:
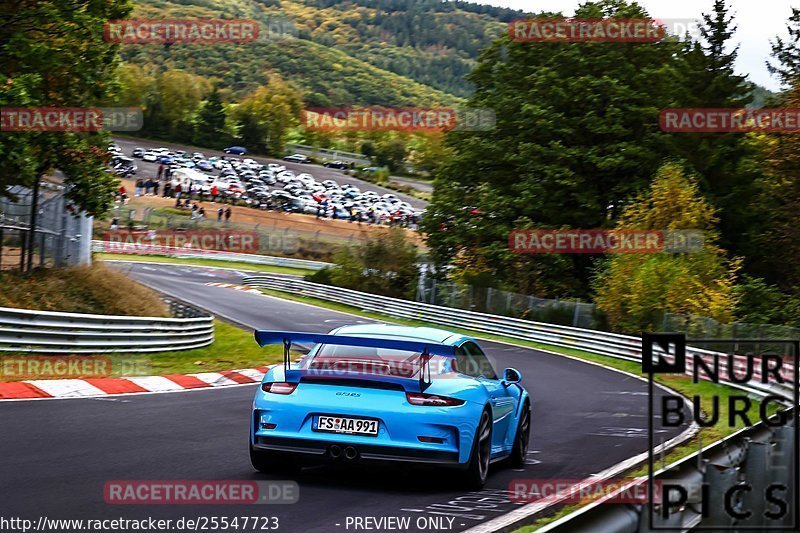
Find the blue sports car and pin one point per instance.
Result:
(388, 393)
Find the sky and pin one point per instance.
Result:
(758, 22)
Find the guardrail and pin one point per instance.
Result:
(328, 152)
(755, 457)
(599, 342)
(49, 332)
(194, 253)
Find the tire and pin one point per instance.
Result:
(480, 457)
(522, 438)
(270, 462)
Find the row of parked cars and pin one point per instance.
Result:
(272, 185)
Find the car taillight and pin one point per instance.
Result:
(418, 398)
(279, 387)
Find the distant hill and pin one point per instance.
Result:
(345, 52)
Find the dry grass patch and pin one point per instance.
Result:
(88, 289)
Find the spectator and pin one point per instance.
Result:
(220, 212)
(167, 190)
(114, 224)
(178, 203)
(156, 185)
(178, 191)
(227, 215)
(148, 184)
(194, 210)
(201, 213)
(160, 171)
(138, 186)
(214, 194)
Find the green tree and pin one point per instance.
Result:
(137, 86)
(178, 95)
(386, 264)
(787, 52)
(576, 135)
(265, 117)
(777, 235)
(391, 153)
(723, 162)
(211, 119)
(634, 290)
(53, 54)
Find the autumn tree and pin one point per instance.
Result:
(635, 290)
(264, 117)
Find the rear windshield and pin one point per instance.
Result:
(367, 360)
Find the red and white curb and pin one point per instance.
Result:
(235, 287)
(94, 387)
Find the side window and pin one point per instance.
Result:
(464, 362)
(479, 364)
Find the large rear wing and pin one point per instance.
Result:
(287, 338)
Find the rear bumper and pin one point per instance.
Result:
(319, 449)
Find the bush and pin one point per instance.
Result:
(385, 264)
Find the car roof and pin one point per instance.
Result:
(390, 330)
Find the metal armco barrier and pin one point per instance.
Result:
(48, 332)
(757, 456)
(184, 253)
(599, 342)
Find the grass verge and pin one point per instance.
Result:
(232, 348)
(682, 384)
(202, 262)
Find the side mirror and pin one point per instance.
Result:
(511, 375)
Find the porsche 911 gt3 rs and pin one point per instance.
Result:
(388, 393)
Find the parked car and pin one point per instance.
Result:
(204, 165)
(336, 164)
(238, 150)
(150, 157)
(138, 152)
(123, 166)
(297, 158)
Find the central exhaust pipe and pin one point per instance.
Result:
(350, 453)
(335, 451)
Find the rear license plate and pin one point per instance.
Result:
(350, 426)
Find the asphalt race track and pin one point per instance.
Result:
(56, 455)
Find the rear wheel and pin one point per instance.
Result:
(480, 458)
(520, 451)
(271, 462)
